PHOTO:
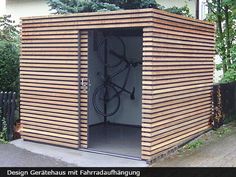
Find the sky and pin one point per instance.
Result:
(2, 7)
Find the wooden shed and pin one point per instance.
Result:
(167, 97)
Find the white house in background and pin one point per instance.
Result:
(192, 4)
(23, 8)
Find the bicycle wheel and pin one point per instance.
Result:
(106, 94)
(114, 45)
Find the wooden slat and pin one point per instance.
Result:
(49, 122)
(175, 34)
(49, 44)
(38, 92)
(90, 17)
(48, 113)
(41, 136)
(175, 85)
(174, 103)
(58, 49)
(37, 139)
(56, 127)
(50, 33)
(45, 105)
(25, 62)
(54, 36)
(177, 80)
(56, 57)
(48, 73)
(31, 96)
(180, 29)
(51, 78)
(106, 24)
(208, 83)
(155, 115)
(50, 134)
(175, 95)
(48, 109)
(49, 85)
(38, 128)
(30, 100)
(167, 54)
(158, 34)
(56, 82)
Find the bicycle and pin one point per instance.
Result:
(108, 91)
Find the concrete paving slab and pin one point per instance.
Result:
(79, 158)
(12, 156)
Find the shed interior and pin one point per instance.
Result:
(115, 90)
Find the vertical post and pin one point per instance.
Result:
(79, 88)
(197, 9)
(11, 117)
(8, 102)
(4, 109)
(5, 96)
(105, 76)
(1, 109)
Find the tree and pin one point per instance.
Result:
(222, 12)
(9, 58)
(76, 6)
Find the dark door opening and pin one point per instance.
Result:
(115, 91)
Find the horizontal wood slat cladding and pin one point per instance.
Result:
(176, 79)
(49, 97)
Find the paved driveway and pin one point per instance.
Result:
(219, 152)
(12, 156)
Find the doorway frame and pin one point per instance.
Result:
(84, 72)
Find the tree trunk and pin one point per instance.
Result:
(221, 36)
(228, 42)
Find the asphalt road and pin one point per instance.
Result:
(11, 156)
(218, 153)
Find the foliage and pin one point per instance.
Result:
(223, 13)
(230, 74)
(8, 31)
(222, 131)
(194, 145)
(9, 58)
(76, 6)
(180, 10)
(131, 4)
(3, 133)
(73, 6)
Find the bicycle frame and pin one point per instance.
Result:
(108, 79)
(125, 67)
